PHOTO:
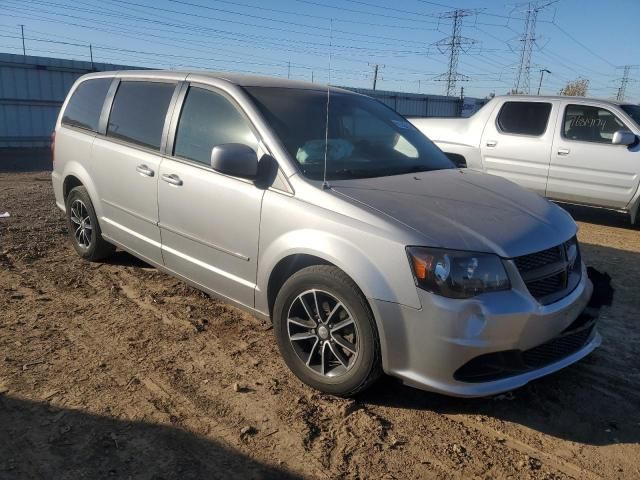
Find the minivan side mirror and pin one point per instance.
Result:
(235, 159)
(623, 137)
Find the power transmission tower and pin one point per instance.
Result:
(528, 40)
(624, 81)
(375, 66)
(453, 45)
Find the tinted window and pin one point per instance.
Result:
(524, 118)
(590, 124)
(633, 111)
(365, 138)
(85, 105)
(138, 112)
(209, 119)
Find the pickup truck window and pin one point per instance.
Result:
(633, 111)
(524, 118)
(590, 124)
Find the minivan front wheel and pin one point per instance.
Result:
(84, 229)
(326, 332)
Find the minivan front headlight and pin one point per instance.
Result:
(457, 274)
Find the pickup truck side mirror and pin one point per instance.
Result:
(623, 137)
(235, 159)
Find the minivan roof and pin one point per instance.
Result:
(241, 80)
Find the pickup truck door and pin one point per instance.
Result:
(516, 142)
(585, 166)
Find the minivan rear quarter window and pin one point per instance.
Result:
(138, 112)
(85, 105)
(524, 118)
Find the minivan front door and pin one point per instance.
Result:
(585, 166)
(126, 163)
(516, 142)
(209, 221)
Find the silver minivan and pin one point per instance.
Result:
(329, 214)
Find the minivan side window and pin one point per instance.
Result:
(524, 118)
(85, 105)
(590, 124)
(209, 119)
(138, 112)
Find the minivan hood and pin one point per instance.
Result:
(465, 210)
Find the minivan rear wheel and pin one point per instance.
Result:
(326, 332)
(84, 229)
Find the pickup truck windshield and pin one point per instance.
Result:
(633, 111)
(366, 138)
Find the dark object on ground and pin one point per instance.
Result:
(602, 289)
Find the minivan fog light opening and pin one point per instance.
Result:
(457, 274)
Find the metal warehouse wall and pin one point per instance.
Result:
(32, 90)
(421, 105)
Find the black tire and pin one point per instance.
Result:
(364, 368)
(90, 245)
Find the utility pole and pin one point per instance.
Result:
(288, 69)
(24, 50)
(542, 72)
(453, 45)
(311, 76)
(528, 40)
(375, 66)
(91, 55)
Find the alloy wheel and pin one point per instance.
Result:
(81, 222)
(323, 333)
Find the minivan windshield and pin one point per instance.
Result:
(365, 138)
(633, 111)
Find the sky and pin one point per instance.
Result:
(340, 41)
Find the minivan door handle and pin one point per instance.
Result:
(144, 170)
(172, 179)
(563, 151)
(492, 143)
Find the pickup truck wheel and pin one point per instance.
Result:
(84, 229)
(326, 332)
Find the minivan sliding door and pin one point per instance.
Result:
(126, 163)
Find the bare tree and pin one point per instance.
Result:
(576, 88)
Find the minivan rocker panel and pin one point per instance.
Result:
(451, 280)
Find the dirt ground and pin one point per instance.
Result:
(115, 370)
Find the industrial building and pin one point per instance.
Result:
(32, 90)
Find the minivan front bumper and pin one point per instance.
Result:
(426, 347)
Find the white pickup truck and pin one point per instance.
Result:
(569, 149)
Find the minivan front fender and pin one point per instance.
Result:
(388, 279)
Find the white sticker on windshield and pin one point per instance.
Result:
(402, 124)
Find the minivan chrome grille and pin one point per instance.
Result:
(553, 273)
